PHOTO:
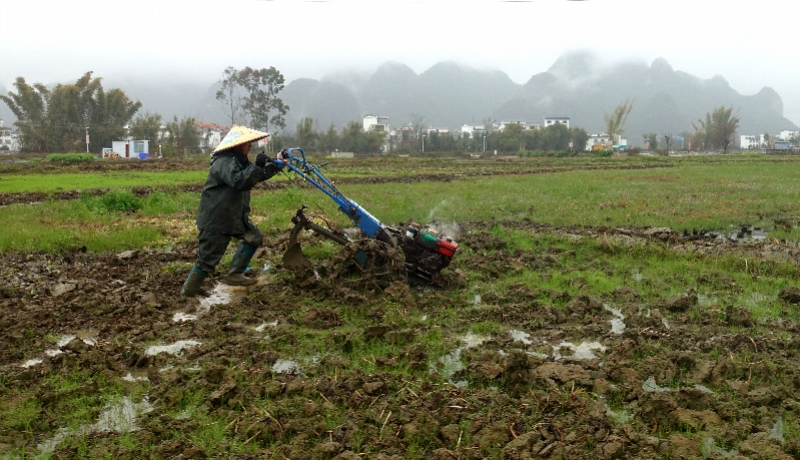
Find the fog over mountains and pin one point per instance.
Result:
(449, 95)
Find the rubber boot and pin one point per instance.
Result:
(193, 282)
(241, 258)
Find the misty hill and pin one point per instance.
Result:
(666, 101)
(449, 95)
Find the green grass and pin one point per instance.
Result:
(59, 182)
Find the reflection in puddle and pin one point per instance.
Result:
(709, 447)
(777, 430)
(704, 389)
(756, 298)
(451, 363)
(620, 417)
(31, 363)
(263, 326)
(583, 351)
(136, 376)
(286, 366)
(120, 417)
(650, 386)
(617, 324)
(173, 349)
(520, 336)
(181, 317)
(221, 295)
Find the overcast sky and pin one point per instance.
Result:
(752, 43)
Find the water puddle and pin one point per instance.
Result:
(521, 336)
(745, 234)
(30, 363)
(286, 366)
(136, 376)
(264, 326)
(704, 389)
(650, 386)
(756, 298)
(583, 351)
(88, 337)
(620, 417)
(777, 430)
(222, 294)
(181, 317)
(173, 349)
(119, 417)
(450, 364)
(617, 324)
(709, 447)
(706, 301)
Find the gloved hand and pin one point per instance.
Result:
(261, 160)
(282, 158)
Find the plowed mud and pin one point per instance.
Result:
(584, 377)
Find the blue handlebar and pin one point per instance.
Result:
(311, 173)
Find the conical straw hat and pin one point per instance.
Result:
(239, 135)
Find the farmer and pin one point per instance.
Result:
(225, 208)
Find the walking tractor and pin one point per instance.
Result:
(426, 254)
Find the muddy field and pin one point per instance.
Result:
(100, 357)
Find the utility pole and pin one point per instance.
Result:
(87, 139)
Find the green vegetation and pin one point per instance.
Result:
(692, 195)
(54, 181)
(71, 157)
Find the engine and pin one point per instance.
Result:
(426, 254)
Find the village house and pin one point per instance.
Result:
(210, 134)
(550, 121)
(9, 141)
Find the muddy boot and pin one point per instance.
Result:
(192, 284)
(241, 258)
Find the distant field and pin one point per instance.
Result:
(686, 194)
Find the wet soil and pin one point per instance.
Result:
(677, 379)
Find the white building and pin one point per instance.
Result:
(376, 123)
(526, 125)
(789, 135)
(9, 142)
(473, 131)
(601, 141)
(130, 148)
(749, 142)
(210, 134)
(549, 121)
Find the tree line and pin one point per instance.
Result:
(416, 140)
(716, 132)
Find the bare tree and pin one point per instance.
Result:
(615, 121)
(418, 123)
(234, 95)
